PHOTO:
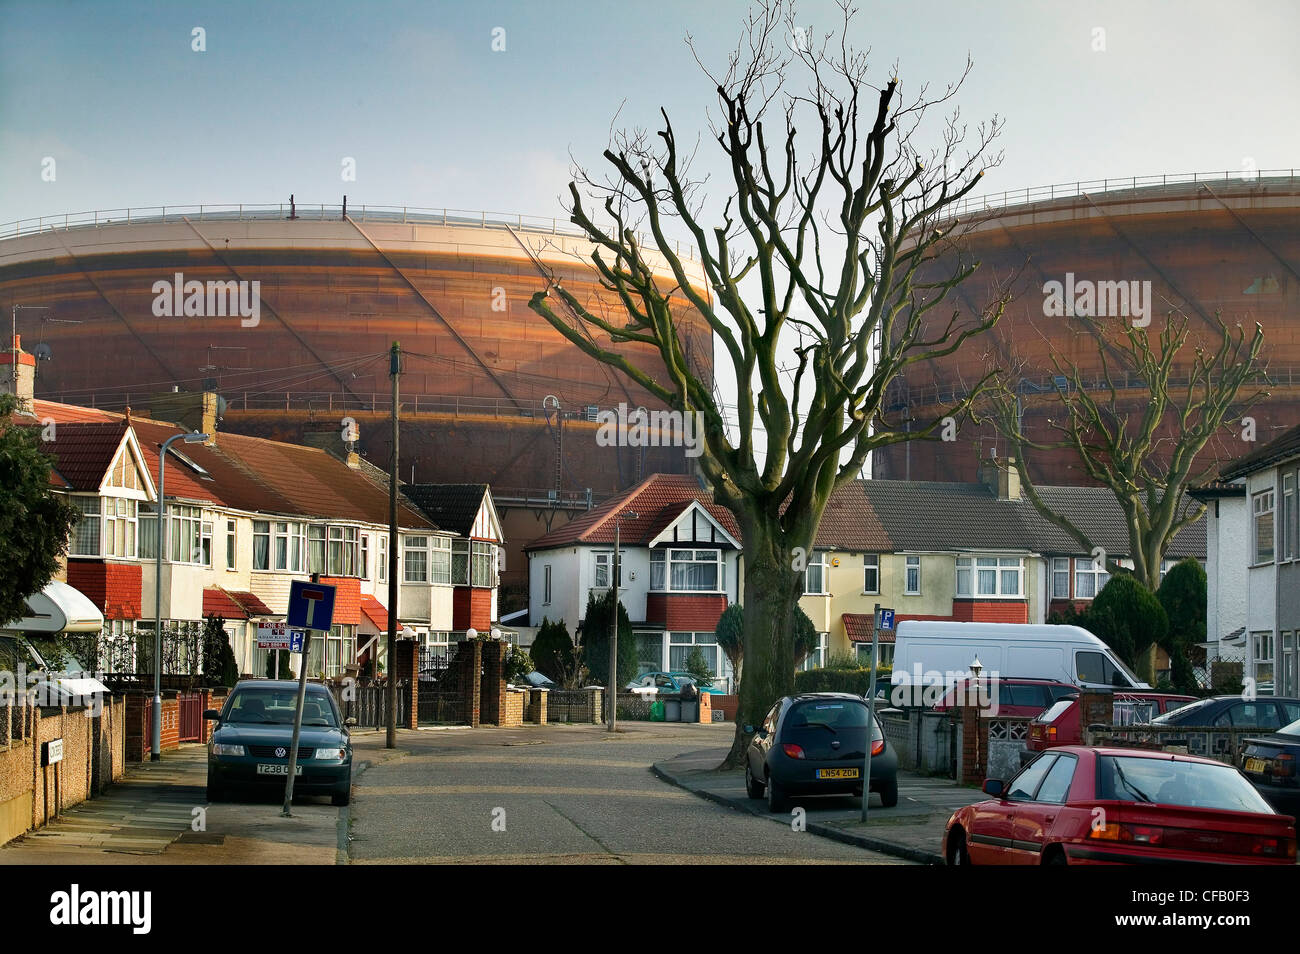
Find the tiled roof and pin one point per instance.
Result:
(1281, 448)
(374, 611)
(83, 452)
(650, 500)
(233, 604)
(450, 506)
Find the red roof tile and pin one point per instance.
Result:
(83, 451)
(233, 604)
(374, 611)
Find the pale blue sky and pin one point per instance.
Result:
(435, 118)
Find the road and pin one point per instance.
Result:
(559, 795)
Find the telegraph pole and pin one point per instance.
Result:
(395, 372)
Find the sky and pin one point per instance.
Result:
(434, 117)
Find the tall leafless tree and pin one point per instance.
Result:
(813, 258)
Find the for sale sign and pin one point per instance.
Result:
(278, 636)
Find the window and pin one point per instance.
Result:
(329, 656)
(817, 658)
(1056, 785)
(285, 542)
(230, 545)
(1097, 669)
(85, 538)
(261, 545)
(120, 529)
(1026, 783)
(483, 570)
(185, 535)
(1060, 578)
(1288, 516)
(1261, 655)
(885, 659)
(315, 549)
(912, 579)
(688, 571)
(604, 560)
(417, 560)
(205, 543)
(546, 585)
(990, 576)
(1089, 578)
(383, 558)
(681, 644)
(365, 556)
(815, 574)
(440, 560)
(871, 573)
(344, 551)
(460, 562)
(1262, 506)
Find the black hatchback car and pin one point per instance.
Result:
(815, 744)
(250, 742)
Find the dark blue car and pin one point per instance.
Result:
(249, 747)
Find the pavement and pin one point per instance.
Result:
(912, 829)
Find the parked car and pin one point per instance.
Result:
(1154, 808)
(815, 744)
(1061, 725)
(1269, 761)
(668, 682)
(930, 649)
(1262, 712)
(1015, 696)
(250, 742)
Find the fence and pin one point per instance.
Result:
(1213, 742)
(574, 705)
(369, 704)
(924, 741)
(441, 706)
(635, 706)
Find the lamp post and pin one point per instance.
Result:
(155, 744)
(613, 623)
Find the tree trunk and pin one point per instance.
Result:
(772, 590)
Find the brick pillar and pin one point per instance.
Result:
(597, 704)
(469, 683)
(407, 673)
(494, 682)
(1096, 706)
(537, 705)
(972, 746)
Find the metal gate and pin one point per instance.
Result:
(191, 716)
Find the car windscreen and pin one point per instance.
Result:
(1057, 710)
(1292, 729)
(265, 705)
(834, 714)
(1166, 781)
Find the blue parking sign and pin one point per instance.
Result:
(295, 640)
(311, 605)
(887, 620)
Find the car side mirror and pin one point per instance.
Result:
(350, 721)
(749, 730)
(212, 715)
(994, 787)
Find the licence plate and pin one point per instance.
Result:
(264, 768)
(1255, 765)
(837, 773)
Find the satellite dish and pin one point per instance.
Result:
(44, 352)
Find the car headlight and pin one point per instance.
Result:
(219, 749)
(331, 754)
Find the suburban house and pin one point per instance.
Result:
(1254, 579)
(247, 516)
(679, 553)
(929, 550)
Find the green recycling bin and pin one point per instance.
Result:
(657, 711)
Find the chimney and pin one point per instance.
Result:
(335, 441)
(18, 375)
(196, 410)
(1000, 476)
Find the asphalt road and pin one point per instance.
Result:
(558, 795)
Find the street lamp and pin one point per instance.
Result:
(616, 570)
(155, 744)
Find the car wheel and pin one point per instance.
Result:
(957, 853)
(342, 797)
(753, 788)
(1057, 857)
(889, 794)
(215, 792)
(776, 798)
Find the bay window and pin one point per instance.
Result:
(440, 559)
(85, 537)
(382, 576)
(460, 562)
(316, 549)
(990, 576)
(344, 551)
(185, 534)
(261, 544)
(416, 560)
(484, 564)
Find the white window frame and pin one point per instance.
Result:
(911, 563)
(232, 544)
(1060, 567)
(975, 567)
(816, 560)
(1287, 550)
(412, 546)
(1262, 505)
(546, 585)
(870, 565)
(119, 527)
(663, 561)
(381, 568)
(1090, 569)
(440, 560)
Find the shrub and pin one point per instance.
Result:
(219, 666)
(698, 667)
(856, 681)
(595, 640)
(1128, 618)
(552, 650)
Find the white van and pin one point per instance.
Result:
(929, 653)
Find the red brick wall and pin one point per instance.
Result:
(114, 587)
(347, 598)
(990, 611)
(685, 611)
(471, 606)
(139, 725)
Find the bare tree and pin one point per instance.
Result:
(813, 256)
(1145, 451)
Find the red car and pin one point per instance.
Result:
(1060, 725)
(1014, 696)
(1079, 805)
